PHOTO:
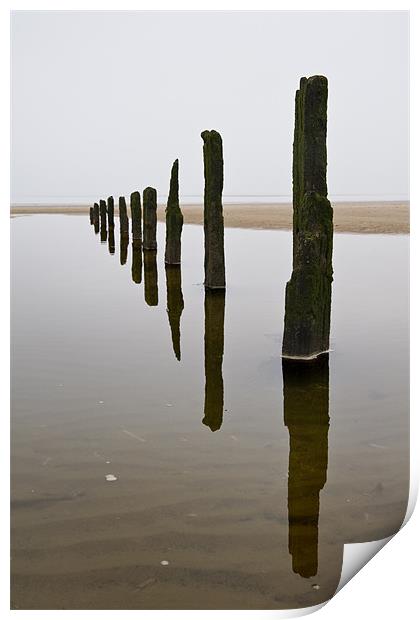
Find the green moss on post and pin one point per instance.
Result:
(214, 313)
(135, 205)
(151, 295)
(308, 293)
(174, 221)
(111, 223)
(306, 404)
(174, 305)
(122, 207)
(214, 252)
(102, 213)
(149, 218)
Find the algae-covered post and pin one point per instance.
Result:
(149, 218)
(96, 217)
(102, 212)
(308, 292)
(122, 206)
(135, 205)
(174, 221)
(111, 223)
(214, 251)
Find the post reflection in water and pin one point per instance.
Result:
(111, 240)
(104, 235)
(123, 248)
(96, 226)
(214, 323)
(306, 403)
(174, 305)
(151, 296)
(136, 266)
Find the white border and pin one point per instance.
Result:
(387, 586)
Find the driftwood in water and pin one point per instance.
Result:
(174, 305)
(214, 253)
(306, 403)
(174, 220)
(149, 218)
(214, 322)
(308, 293)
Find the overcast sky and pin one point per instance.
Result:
(103, 102)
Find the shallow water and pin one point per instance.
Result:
(113, 470)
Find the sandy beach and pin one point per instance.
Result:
(350, 217)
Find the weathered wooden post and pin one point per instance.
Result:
(102, 211)
(91, 216)
(174, 221)
(306, 403)
(214, 322)
(151, 296)
(122, 207)
(214, 251)
(111, 223)
(149, 218)
(137, 264)
(135, 205)
(96, 217)
(174, 305)
(308, 292)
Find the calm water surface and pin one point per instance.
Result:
(243, 477)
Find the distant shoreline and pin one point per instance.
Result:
(386, 217)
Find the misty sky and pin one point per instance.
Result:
(103, 102)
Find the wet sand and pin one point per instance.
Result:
(350, 217)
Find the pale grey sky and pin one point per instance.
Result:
(103, 102)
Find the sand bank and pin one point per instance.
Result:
(351, 217)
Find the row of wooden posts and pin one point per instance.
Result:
(308, 292)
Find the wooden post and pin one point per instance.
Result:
(174, 221)
(122, 206)
(149, 218)
(102, 211)
(214, 253)
(308, 292)
(111, 223)
(135, 204)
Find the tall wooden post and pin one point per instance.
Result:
(174, 221)
(308, 293)
(214, 252)
(149, 218)
(135, 205)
